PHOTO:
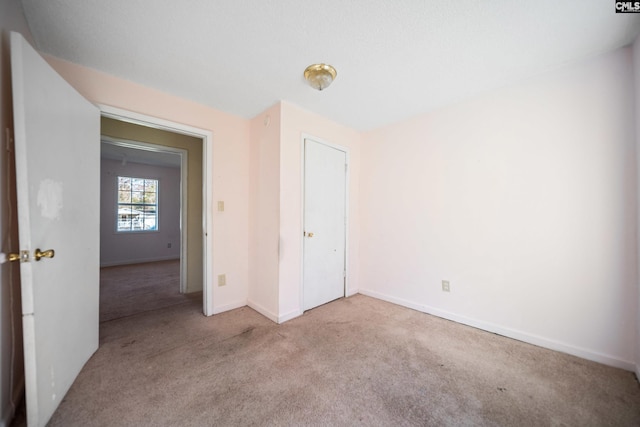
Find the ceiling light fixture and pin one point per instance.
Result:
(320, 76)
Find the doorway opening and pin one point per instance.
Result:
(182, 154)
(144, 223)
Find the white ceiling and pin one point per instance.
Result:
(395, 58)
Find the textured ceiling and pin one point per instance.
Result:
(395, 58)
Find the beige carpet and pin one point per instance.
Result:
(356, 361)
(127, 290)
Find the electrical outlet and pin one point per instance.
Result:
(220, 206)
(445, 286)
(169, 245)
(222, 280)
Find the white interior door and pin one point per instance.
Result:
(325, 178)
(57, 152)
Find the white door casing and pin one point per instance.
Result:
(57, 152)
(325, 207)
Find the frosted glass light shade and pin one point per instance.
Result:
(320, 76)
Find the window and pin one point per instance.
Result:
(137, 204)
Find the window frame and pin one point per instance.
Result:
(133, 205)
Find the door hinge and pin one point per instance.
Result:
(346, 167)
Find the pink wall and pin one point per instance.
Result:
(525, 200)
(230, 164)
(264, 219)
(252, 197)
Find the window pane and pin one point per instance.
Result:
(137, 184)
(136, 197)
(149, 197)
(124, 183)
(128, 218)
(149, 218)
(124, 196)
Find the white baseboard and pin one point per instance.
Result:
(271, 316)
(230, 306)
(389, 298)
(352, 292)
(290, 315)
(137, 261)
(510, 333)
(260, 309)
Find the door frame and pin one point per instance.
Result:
(184, 196)
(345, 150)
(207, 184)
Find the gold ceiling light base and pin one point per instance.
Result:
(320, 76)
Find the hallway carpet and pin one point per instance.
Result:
(126, 290)
(355, 361)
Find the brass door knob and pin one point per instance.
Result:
(49, 253)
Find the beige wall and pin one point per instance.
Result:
(195, 238)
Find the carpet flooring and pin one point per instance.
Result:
(355, 361)
(127, 290)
